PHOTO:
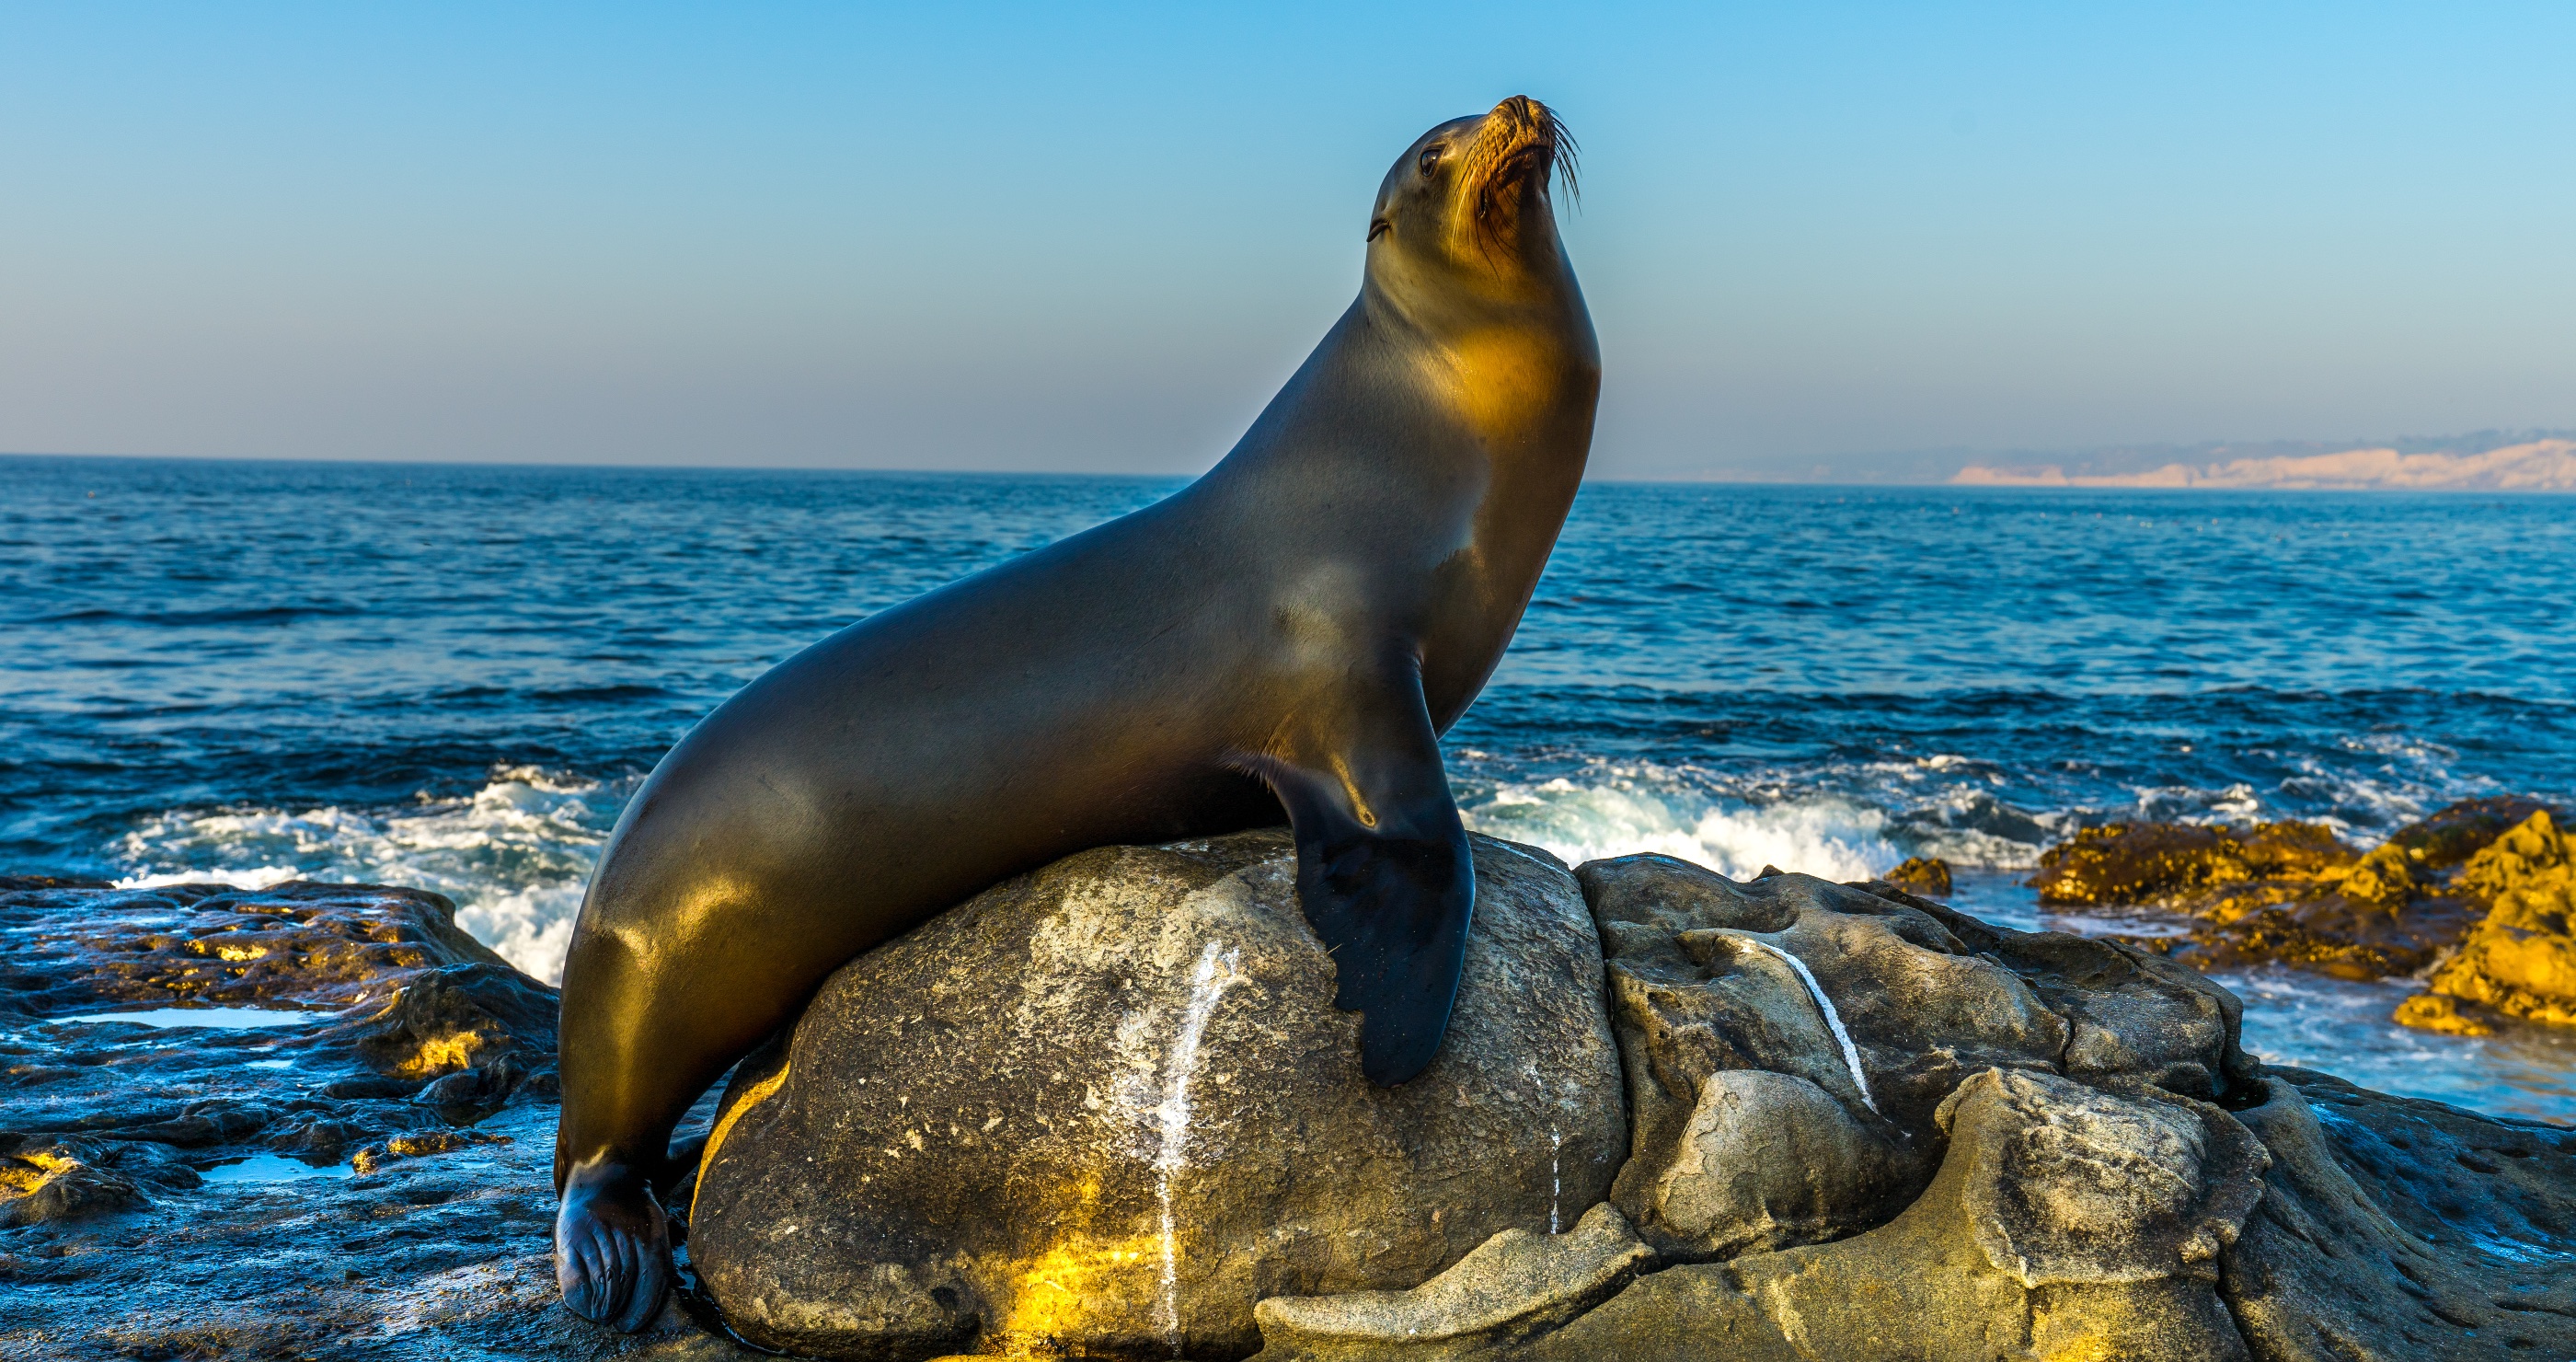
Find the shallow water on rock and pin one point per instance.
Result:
(2318, 1022)
(272, 1168)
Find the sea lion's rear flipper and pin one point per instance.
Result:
(1383, 869)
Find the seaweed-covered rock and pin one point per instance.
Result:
(2284, 893)
(375, 989)
(2451, 835)
(53, 1179)
(2521, 958)
(2157, 863)
(2444, 1014)
(1109, 1105)
(1925, 875)
(302, 944)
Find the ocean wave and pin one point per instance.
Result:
(514, 854)
(1844, 821)
(1581, 823)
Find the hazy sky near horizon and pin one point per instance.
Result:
(1098, 238)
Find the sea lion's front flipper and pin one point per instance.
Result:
(612, 1247)
(1383, 869)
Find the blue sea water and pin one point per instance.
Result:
(451, 676)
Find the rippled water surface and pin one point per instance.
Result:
(451, 676)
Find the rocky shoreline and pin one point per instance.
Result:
(351, 1160)
(1679, 1116)
(2476, 900)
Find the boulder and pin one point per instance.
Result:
(2144, 1190)
(1109, 1105)
(1868, 1128)
(2312, 1222)
(2065, 1222)
(2520, 959)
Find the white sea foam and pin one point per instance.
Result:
(1832, 837)
(514, 855)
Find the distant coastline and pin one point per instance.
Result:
(2547, 465)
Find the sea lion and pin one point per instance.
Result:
(1292, 632)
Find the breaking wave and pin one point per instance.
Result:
(514, 854)
(1736, 823)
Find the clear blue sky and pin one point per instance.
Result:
(1034, 237)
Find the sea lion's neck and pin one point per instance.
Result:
(1442, 444)
(1522, 380)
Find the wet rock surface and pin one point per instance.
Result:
(355, 1164)
(1785, 1119)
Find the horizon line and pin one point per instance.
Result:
(1970, 477)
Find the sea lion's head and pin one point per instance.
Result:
(1467, 204)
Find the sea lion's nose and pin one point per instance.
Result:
(1520, 111)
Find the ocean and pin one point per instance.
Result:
(451, 676)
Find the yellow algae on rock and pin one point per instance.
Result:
(2164, 863)
(419, 1144)
(2436, 1012)
(2521, 959)
(2381, 879)
(1925, 875)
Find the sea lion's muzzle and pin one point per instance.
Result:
(1520, 145)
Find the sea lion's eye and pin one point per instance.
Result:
(1430, 161)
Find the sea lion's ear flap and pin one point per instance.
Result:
(1383, 872)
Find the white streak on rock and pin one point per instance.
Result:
(1833, 1019)
(1172, 1118)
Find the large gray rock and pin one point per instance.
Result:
(2087, 1204)
(2065, 1223)
(1788, 1043)
(1109, 1106)
(2083, 1204)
